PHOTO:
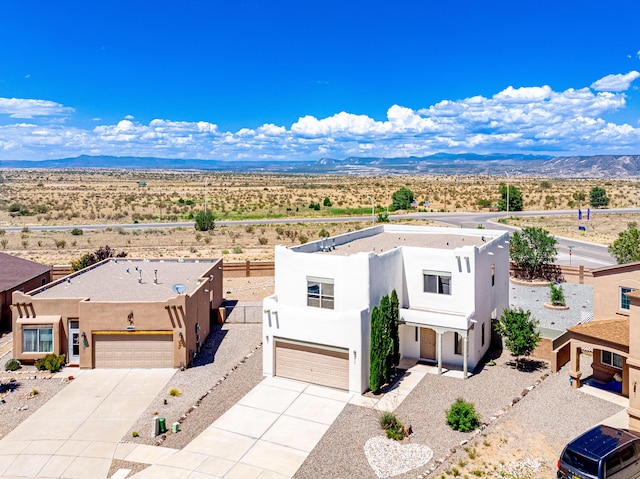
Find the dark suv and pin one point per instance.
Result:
(601, 452)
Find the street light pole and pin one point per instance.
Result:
(507, 193)
(373, 207)
(205, 196)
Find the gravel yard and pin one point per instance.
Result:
(536, 426)
(23, 392)
(226, 347)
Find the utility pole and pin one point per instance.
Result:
(373, 208)
(507, 193)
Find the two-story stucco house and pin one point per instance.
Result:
(451, 284)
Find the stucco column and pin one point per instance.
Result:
(574, 373)
(439, 350)
(465, 354)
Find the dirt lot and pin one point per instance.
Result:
(67, 197)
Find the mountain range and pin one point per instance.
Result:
(597, 166)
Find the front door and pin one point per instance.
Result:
(428, 344)
(73, 356)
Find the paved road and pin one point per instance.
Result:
(584, 253)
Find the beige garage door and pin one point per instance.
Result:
(313, 364)
(133, 351)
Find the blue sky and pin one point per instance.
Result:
(305, 80)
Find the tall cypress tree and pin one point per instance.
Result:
(376, 362)
(395, 334)
(387, 341)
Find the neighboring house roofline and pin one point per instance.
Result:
(616, 268)
(34, 270)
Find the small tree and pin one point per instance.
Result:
(532, 249)
(579, 196)
(205, 221)
(598, 197)
(515, 198)
(326, 202)
(102, 253)
(556, 294)
(520, 332)
(376, 352)
(395, 334)
(626, 249)
(401, 199)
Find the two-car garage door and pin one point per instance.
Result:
(316, 364)
(133, 350)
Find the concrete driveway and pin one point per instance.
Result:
(75, 434)
(267, 434)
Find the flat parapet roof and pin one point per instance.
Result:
(386, 241)
(118, 280)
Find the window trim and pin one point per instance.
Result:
(324, 300)
(38, 340)
(623, 299)
(438, 275)
(612, 362)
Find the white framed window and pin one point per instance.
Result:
(37, 339)
(438, 282)
(611, 359)
(320, 293)
(624, 300)
(493, 275)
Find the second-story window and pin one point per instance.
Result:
(320, 293)
(624, 300)
(438, 282)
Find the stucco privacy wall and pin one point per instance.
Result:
(361, 277)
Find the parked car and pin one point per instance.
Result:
(601, 452)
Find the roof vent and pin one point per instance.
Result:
(179, 288)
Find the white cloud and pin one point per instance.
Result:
(129, 117)
(524, 119)
(617, 82)
(27, 108)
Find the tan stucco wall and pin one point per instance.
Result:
(179, 314)
(606, 291)
(633, 362)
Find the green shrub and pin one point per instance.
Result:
(76, 232)
(51, 362)
(237, 250)
(12, 365)
(462, 416)
(557, 295)
(392, 425)
(175, 392)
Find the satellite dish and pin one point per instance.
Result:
(179, 288)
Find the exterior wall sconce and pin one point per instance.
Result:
(355, 354)
(85, 342)
(180, 340)
(130, 318)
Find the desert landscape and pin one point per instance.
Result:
(113, 197)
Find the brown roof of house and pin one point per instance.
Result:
(612, 330)
(14, 271)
